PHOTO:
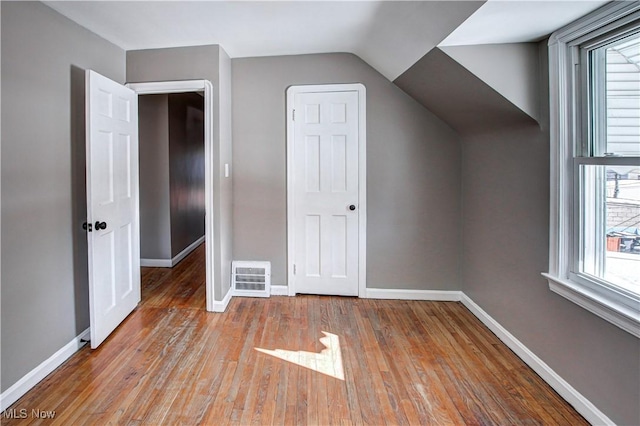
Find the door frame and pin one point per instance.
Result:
(292, 91)
(185, 86)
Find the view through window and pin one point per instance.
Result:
(611, 194)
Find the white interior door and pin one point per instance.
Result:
(112, 204)
(326, 192)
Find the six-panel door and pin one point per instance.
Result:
(112, 204)
(326, 192)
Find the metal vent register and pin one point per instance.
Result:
(251, 279)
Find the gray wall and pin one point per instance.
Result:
(413, 187)
(505, 180)
(510, 69)
(225, 156)
(44, 254)
(171, 132)
(460, 97)
(210, 63)
(413, 172)
(186, 169)
(155, 217)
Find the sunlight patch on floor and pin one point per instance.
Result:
(328, 361)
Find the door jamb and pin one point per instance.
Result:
(164, 87)
(362, 178)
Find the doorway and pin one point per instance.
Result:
(171, 159)
(172, 209)
(205, 89)
(326, 189)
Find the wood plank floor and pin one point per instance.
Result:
(403, 362)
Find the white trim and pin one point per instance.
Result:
(170, 263)
(161, 87)
(362, 178)
(434, 295)
(184, 253)
(595, 23)
(221, 306)
(156, 263)
(566, 391)
(565, 113)
(606, 308)
(32, 378)
(279, 290)
(196, 86)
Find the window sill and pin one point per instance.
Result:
(616, 313)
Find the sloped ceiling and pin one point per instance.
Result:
(481, 75)
(390, 35)
(510, 69)
(458, 96)
(518, 21)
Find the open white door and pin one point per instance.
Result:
(112, 204)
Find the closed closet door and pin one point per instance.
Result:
(326, 192)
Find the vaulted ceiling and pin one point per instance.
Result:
(471, 63)
(390, 35)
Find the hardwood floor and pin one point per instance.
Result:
(404, 362)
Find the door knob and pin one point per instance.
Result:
(352, 207)
(101, 225)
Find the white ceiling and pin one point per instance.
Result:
(516, 21)
(391, 36)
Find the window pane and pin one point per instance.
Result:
(610, 224)
(615, 93)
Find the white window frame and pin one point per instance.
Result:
(566, 115)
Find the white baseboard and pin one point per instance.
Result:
(184, 253)
(170, 263)
(279, 290)
(571, 395)
(156, 263)
(221, 306)
(32, 378)
(435, 295)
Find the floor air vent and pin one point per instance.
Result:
(251, 279)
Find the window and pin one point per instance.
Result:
(595, 163)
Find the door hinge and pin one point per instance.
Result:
(294, 269)
(294, 115)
